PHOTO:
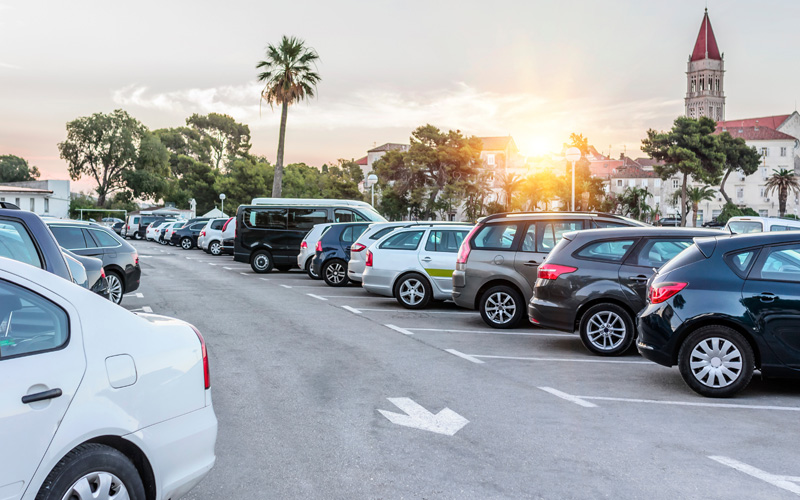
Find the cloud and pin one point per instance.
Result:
(9, 66)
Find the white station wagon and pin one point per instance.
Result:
(414, 265)
(97, 402)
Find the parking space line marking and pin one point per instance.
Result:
(245, 274)
(147, 309)
(784, 482)
(520, 358)
(138, 295)
(210, 263)
(568, 397)
(352, 309)
(398, 329)
(693, 403)
(263, 279)
(286, 286)
(492, 332)
(420, 311)
(317, 297)
(465, 356)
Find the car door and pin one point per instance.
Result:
(348, 236)
(76, 240)
(545, 235)
(438, 256)
(640, 265)
(41, 366)
(771, 294)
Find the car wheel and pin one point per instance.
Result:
(501, 307)
(716, 361)
(261, 262)
(93, 471)
(163, 242)
(137, 236)
(215, 248)
(186, 243)
(334, 272)
(310, 270)
(413, 291)
(115, 287)
(606, 329)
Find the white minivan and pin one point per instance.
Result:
(744, 224)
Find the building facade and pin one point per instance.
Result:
(50, 198)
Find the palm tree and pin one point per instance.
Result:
(633, 201)
(289, 76)
(695, 195)
(783, 181)
(510, 183)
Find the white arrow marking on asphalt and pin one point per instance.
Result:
(785, 482)
(317, 296)
(352, 309)
(445, 422)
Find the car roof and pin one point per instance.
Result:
(636, 231)
(759, 239)
(71, 222)
(549, 215)
(772, 220)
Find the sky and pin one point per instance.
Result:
(536, 70)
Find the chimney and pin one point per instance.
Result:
(756, 126)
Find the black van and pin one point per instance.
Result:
(269, 232)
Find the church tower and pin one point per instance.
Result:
(704, 78)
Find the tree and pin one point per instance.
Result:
(16, 169)
(633, 202)
(697, 194)
(219, 139)
(289, 76)
(509, 183)
(689, 149)
(782, 181)
(738, 156)
(106, 147)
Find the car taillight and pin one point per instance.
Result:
(206, 373)
(202, 233)
(102, 273)
(303, 244)
(369, 258)
(553, 271)
(135, 258)
(357, 247)
(318, 248)
(664, 291)
(464, 249)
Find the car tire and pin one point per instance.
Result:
(310, 270)
(186, 243)
(413, 291)
(261, 262)
(607, 329)
(137, 236)
(116, 287)
(215, 248)
(703, 364)
(334, 272)
(88, 466)
(502, 307)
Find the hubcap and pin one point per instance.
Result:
(114, 288)
(335, 273)
(262, 262)
(215, 248)
(500, 307)
(97, 486)
(412, 291)
(606, 330)
(716, 362)
(187, 244)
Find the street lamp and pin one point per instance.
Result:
(372, 179)
(572, 156)
(222, 197)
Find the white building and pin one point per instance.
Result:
(41, 197)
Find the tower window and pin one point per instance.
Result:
(716, 84)
(702, 84)
(694, 84)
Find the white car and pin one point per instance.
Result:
(747, 224)
(171, 228)
(415, 264)
(153, 230)
(89, 411)
(308, 248)
(210, 238)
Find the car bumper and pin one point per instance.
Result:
(302, 258)
(378, 282)
(180, 450)
(551, 315)
(657, 339)
(133, 276)
(355, 269)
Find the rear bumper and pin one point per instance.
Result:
(133, 276)
(227, 247)
(552, 315)
(355, 269)
(378, 282)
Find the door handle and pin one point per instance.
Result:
(768, 297)
(638, 279)
(41, 396)
(531, 263)
(426, 259)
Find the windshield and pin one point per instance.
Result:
(743, 227)
(371, 215)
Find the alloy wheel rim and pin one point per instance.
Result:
(215, 249)
(606, 330)
(186, 244)
(500, 307)
(261, 262)
(97, 486)
(311, 271)
(716, 362)
(412, 291)
(114, 288)
(335, 273)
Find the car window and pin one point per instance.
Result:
(29, 323)
(383, 232)
(782, 264)
(740, 262)
(656, 253)
(445, 241)
(306, 218)
(265, 218)
(198, 227)
(217, 224)
(606, 223)
(609, 251)
(743, 227)
(552, 232)
(70, 237)
(104, 239)
(495, 236)
(776, 227)
(90, 242)
(408, 240)
(351, 233)
(344, 215)
(529, 239)
(17, 244)
(135, 220)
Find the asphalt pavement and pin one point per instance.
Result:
(333, 393)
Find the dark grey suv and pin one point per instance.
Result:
(497, 262)
(596, 282)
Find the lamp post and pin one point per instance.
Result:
(572, 156)
(222, 198)
(372, 179)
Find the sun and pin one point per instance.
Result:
(535, 146)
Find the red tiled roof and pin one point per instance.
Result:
(604, 168)
(361, 161)
(496, 143)
(759, 133)
(633, 171)
(706, 45)
(765, 121)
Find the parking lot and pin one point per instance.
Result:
(328, 392)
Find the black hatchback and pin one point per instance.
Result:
(596, 281)
(333, 251)
(724, 307)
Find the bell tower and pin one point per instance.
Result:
(705, 76)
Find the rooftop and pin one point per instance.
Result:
(15, 189)
(390, 146)
(764, 121)
(759, 133)
(498, 143)
(706, 45)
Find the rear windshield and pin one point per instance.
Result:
(742, 227)
(383, 232)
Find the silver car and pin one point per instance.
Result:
(308, 248)
(414, 264)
